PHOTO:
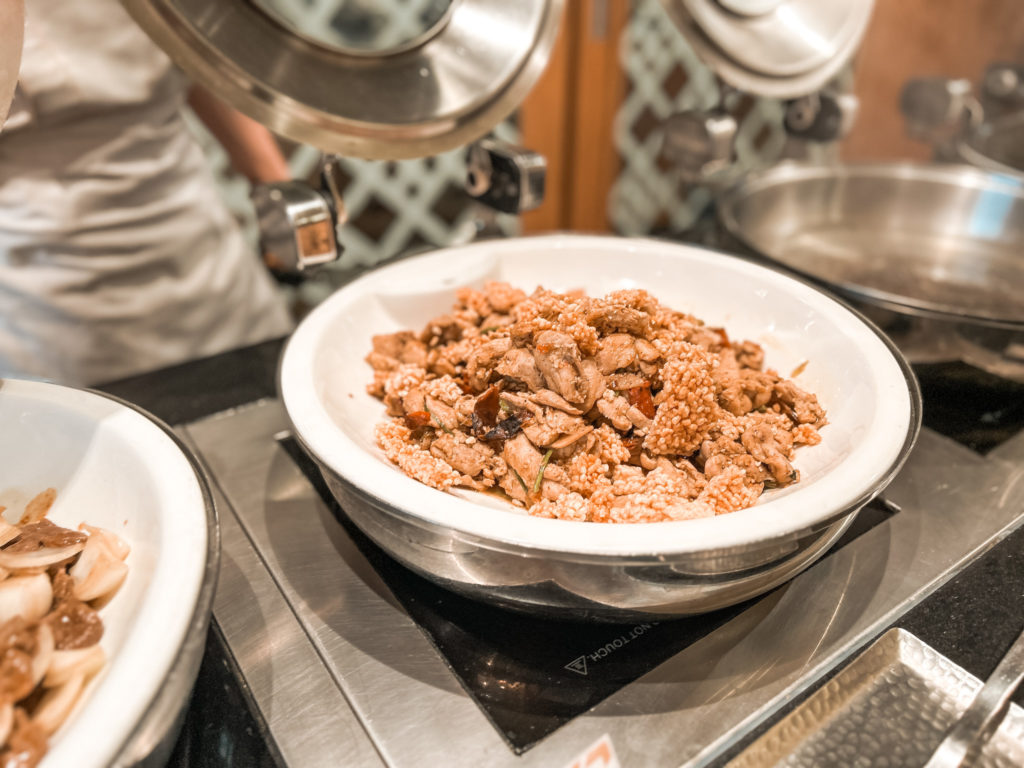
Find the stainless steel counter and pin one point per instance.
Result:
(342, 674)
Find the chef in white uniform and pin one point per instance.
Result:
(117, 254)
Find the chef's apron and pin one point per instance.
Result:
(117, 254)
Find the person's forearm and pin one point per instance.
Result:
(252, 148)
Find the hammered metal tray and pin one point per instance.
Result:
(890, 707)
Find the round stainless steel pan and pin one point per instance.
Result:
(934, 241)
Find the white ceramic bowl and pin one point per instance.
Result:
(866, 387)
(117, 468)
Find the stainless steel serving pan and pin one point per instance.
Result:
(932, 253)
(483, 547)
(940, 241)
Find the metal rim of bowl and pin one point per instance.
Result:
(225, 47)
(964, 176)
(513, 547)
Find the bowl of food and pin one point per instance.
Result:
(108, 561)
(595, 426)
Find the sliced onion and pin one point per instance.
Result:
(39, 558)
(43, 659)
(56, 704)
(6, 721)
(27, 596)
(65, 664)
(97, 572)
(118, 547)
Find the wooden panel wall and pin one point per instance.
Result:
(570, 117)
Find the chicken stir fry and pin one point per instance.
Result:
(52, 582)
(614, 409)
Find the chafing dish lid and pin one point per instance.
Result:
(775, 48)
(442, 85)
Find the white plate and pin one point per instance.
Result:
(853, 371)
(117, 469)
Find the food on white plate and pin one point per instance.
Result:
(53, 581)
(614, 409)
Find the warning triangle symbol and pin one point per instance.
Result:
(578, 665)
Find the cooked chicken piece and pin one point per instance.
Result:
(443, 329)
(615, 408)
(402, 347)
(771, 443)
(539, 432)
(519, 364)
(608, 318)
(616, 352)
(511, 484)
(471, 300)
(415, 401)
(803, 407)
(691, 476)
(495, 321)
(558, 359)
(398, 383)
(571, 438)
(649, 371)
(743, 390)
(594, 382)
(549, 398)
(724, 453)
(481, 363)
(461, 454)
(647, 352)
(523, 457)
(464, 408)
(381, 363)
(623, 382)
(562, 422)
(711, 339)
(749, 355)
(502, 296)
(547, 425)
(573, 445)
(443, 416)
